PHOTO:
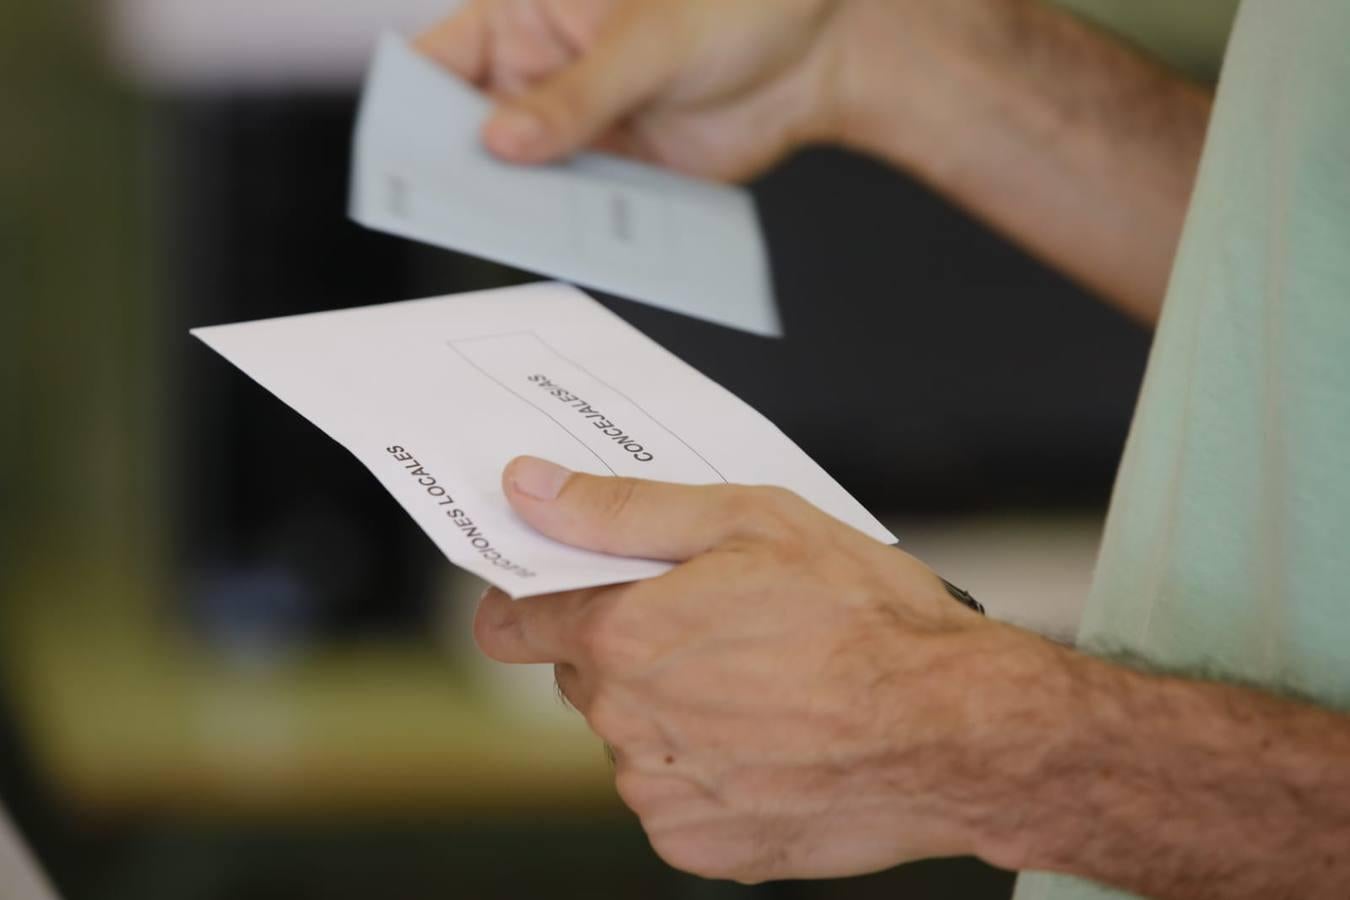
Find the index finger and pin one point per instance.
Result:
(541, 629)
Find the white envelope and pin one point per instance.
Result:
(436, 396)
(420, 171)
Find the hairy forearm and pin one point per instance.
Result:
(1069, 142)
(1174, 788)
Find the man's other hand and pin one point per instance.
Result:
(717, 88)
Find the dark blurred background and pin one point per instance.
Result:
(230, 666)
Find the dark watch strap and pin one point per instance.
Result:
(963, 597)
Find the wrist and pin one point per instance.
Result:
(976, 716)
(1028, 713)
(1059, 778)
(828, 88)
(914, 76)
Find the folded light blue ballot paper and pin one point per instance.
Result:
(436, 396)
(420, 171)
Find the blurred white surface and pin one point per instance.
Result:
(1028, 570)
(19, 875)
(259, 44)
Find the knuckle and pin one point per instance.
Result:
(596, 636)
(746, 508)
(608, 637)
(783, 503)
(690, 852)
(566, 102)
(679, 852)
(606, 718)
(634, 791)
(772, 514)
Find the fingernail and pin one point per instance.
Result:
(538, 478)
(515, 131)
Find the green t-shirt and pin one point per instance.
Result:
(1227, 547)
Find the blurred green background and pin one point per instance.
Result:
(192, 703)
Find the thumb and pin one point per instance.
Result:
(629, 64)
(628, 516)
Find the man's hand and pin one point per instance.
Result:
(794, 700)
(1058, 135)
(718, 88)
(797, 700)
